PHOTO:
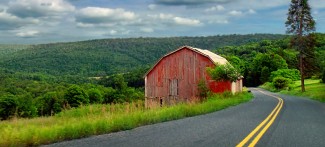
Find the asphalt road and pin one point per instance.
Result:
(299, 123)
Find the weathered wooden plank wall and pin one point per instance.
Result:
(176, 76)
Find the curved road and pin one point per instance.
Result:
(299, 122)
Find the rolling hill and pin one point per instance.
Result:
(109, 56)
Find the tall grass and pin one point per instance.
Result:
(100, 119)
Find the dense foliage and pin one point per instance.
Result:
(31, 95)
(8, 49)
(258, 60)
(264, 64)
(292, 74)
(224, 72)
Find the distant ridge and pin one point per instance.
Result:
(109, 56)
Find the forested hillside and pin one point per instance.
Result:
(109, 56)
(8, 49)
(258, 60)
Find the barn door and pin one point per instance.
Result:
(173, 87)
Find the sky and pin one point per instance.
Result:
(48, 21)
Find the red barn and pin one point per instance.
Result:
(175, 77)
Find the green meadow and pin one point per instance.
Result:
(314, 90)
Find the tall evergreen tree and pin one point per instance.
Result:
(300, 23)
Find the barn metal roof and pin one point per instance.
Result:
(216, 59)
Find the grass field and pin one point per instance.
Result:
(100, 119)
(314, 90)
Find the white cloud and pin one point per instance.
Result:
(85, 25)
(235, 13)
(186, 21)
(118, 32)
(191, 2)
(162, 16)
(39, 8)
(251, 11)
(112, 14)
(152, 6)
(176, 20)
(220, 21)
(28, 34)
(147, 30)
(104, 16)
(215, 8)
(9, 22)
(113, 32)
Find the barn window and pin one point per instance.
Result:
(161, 102)
(173, 87)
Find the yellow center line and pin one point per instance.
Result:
(259, 136)
(273, 114)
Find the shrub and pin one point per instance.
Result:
(95, 96)
(227, 94)
(76, 96)
(292, 74)
(109, 95)
(281, 82)
(203, 89)
(8, 105)
(269, 86)
(49, 104)
(26, 106)
(224, 72)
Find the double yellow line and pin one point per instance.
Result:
(269, 120)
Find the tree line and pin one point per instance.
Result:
(32, 95)
(257, 61)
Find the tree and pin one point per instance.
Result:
(262, 66)
(95, 96)
(292, 74)
(116, 81)
(49, 104)
(224, 72)
(8, 106)
(108, 95)
(26, 106)
(76, 96)
(300, 23)
(237, 63)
